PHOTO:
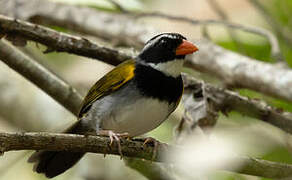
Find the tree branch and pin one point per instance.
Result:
(224, 100)
(78, 143)
(59, 42)
(130, 148)
(242, 72)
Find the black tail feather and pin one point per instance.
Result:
(53, 163)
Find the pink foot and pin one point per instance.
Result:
(114, 137)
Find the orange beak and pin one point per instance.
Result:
(186, 47)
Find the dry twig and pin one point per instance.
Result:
(224, 100)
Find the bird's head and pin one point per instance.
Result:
(166, 51)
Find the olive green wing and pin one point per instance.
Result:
(109, 83)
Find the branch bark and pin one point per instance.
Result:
(242, 72)
(130, 148)
(59, 42)
(224, 100)
(78, 143)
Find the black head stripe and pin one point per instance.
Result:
(161, 48)
(168, 35)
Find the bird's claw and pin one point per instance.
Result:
(114, 137)
(155, 143)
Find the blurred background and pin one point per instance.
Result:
(33, 110)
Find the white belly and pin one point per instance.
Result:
(138, 118)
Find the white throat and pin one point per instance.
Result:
(170, 68)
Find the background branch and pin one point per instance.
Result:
(273, 23)
(225, 101)
(239, 71)
(222, 15)
(41, 77)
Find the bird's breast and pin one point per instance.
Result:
(137, 118)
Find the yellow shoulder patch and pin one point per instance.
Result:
(109, 83)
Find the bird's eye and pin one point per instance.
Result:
(163, 41)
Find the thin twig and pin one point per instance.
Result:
(220, 12)
(273, 23)
(118, 6)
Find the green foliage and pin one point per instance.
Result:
(260, 52)
(279, 154)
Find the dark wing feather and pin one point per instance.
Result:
(112, 81)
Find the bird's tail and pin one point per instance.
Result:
(53, 163)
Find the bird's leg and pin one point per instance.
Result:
(150, 140)
(114, 137)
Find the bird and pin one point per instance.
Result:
(132, 99)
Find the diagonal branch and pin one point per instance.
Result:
(59, 42)
(41, 77)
